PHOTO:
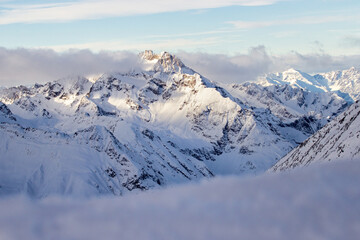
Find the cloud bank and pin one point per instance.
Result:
(248, 67)
(90, 9)
(319, 202)
(29, 66)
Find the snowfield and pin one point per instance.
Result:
(316, 202)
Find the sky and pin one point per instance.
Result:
(283, 30)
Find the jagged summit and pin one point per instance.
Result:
(163, 62)
(149, 55)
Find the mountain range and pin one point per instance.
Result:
(163, 124)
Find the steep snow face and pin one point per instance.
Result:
(144, 129)
(339, 139)
(346, 83)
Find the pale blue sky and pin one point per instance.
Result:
(211, 26)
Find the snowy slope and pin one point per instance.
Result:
(144, 129)
(339, 139)
(311, 203)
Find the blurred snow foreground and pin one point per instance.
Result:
(316, 202)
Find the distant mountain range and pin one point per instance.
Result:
(162, 125)
(346, 84)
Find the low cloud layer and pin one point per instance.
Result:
(28, 66)
(248, 67)
(25, 66)
(223, 68)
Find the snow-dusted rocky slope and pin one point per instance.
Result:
(339, 139)
(138, 130)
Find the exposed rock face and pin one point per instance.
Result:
(5, 113)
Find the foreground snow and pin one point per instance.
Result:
(317, 202)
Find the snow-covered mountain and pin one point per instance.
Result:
(346, 83)
(143, 129)
(339, 139)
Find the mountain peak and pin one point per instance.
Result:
(148, 55)
(164, 61)
(292, 70)
(297, 73)
(353, 69)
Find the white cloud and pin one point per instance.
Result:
(90, 9)
(294, 21)
(27, 66)
(251, 24)
(173, 43)
(229, 69)
(316, 202)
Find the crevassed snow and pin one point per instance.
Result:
(320, 202)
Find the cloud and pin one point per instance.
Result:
(158, 44)
(252, 24)
(223, 68)
(314, 63)
(28, 66)
(90, 9)
(314, 202)
(294, 21)
(248, 67)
